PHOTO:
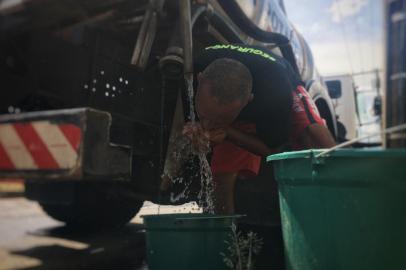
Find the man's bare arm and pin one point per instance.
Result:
(248, 141)
(316, 136)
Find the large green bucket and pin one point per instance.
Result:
(343, 211)
(187, 241)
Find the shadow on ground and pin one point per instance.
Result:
(122, 248)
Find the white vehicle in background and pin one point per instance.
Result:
(342, 91)
(358, 109)
(369, 115)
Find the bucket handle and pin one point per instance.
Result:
(350, 142)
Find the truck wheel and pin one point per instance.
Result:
(92, 206)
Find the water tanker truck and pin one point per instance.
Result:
(89, 91)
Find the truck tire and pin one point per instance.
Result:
(91, 206)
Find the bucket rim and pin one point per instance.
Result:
(185, 222)
(190, 216)
(363, 153)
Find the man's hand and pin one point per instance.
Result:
(198, 136)
(217, 135)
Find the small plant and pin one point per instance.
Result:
(242, 249)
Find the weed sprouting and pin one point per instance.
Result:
(241, 249)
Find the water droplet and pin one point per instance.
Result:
(106, 94)
(113, 95)
(107, 85)
(126, 82)
(114, 88)
(102, 72)
(86, 86)
(93, 89)
(10, 109)
(120, 79)
(94, 81)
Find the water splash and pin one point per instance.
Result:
(191, 95)
(205, 195)
(182, 154)
(181, 195)
(175, 170)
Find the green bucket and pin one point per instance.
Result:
(346, 210)
(187, 241)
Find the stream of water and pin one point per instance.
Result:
(182, 154)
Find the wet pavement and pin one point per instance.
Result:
(29, 239)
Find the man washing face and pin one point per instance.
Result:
(249, 103)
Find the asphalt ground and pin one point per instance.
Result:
(31, 240)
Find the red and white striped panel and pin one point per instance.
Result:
(39, 145)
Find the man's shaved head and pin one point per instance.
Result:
(229, 80)
(224, 89)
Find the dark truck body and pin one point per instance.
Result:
(395, 76)
(117, 68)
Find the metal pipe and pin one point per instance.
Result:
(234, 11)
(218, 21)
(141, 37)
(197, 13)
(186, 30)
(149, 39)
(225, 28)
(172, 64)
(146, 34)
